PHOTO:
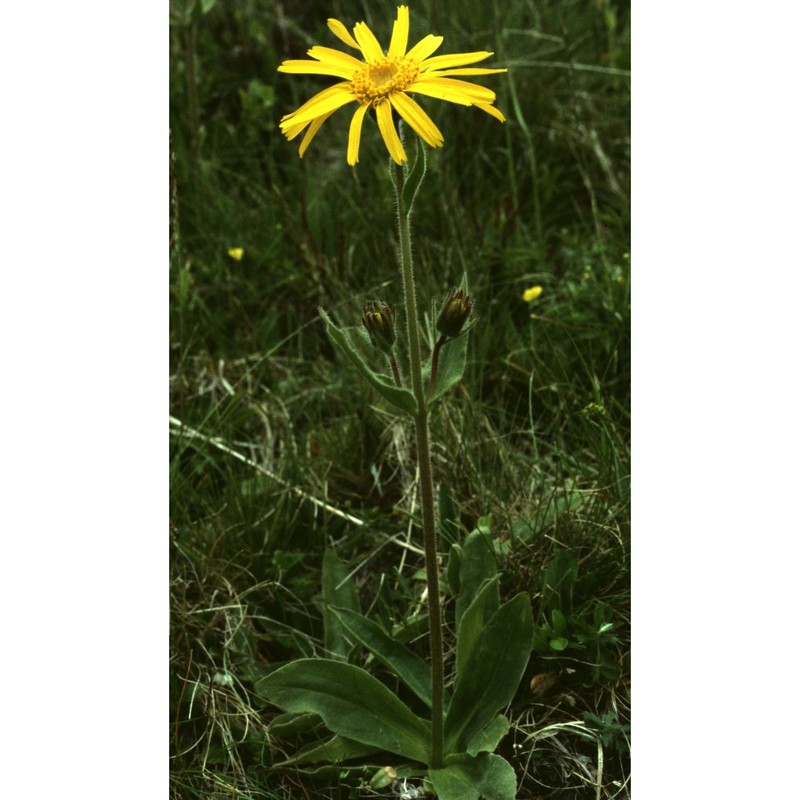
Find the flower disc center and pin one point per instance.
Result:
(373, 82)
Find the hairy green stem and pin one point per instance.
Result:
(425, 477)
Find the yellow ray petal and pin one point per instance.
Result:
(340, 32)
(431, 90)
(424, 47)
(446, 73)
(389, 132)
(451, 88)
(489, 109)
(312, 131)
(455, 59)
(320, 107)
(293, 131)
(416, 117)
(327, 55)
(397, 47)
(369, 45)
(354, 137)
(289, 119)
(299, 67)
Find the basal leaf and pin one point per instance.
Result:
(448, 516)
(410, 668)
(490, 677)
(465, 777)
(474, 620)
(454, 569)
(351, 703)
(478, 564)
(290, 724)
(337, 590)
(331, 751)
(487, 740)
(348, 339)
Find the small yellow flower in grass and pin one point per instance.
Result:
(384, 81)
(529, 295)
(236, 253)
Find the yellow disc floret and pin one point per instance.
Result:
(373, 82)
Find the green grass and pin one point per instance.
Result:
(278, 450)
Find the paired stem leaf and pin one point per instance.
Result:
(349, 340)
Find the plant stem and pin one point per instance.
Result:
(425, 477)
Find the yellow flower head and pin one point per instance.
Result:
(236, 253)
(529, 295)
(385, 81)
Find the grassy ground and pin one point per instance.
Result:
(278, 451)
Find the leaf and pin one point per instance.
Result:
(337, 590)
(478, 564)
(559, 622)
(488, 739)
(558, 580)
(331, 751)
(465, 777)
(448, 516)
(454, 568)
(410, 668)
(474, 620)
(351, 703)
(350, 341)
(285, 725)
(452, 363)
(414, 176)
(489, 679)
(559, 643)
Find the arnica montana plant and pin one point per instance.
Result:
(452, 746)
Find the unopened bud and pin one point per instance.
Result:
(383, 777)
(455, 311)
(378, 319)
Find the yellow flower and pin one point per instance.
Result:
(384, 81)
(529, 295)
(236, 253)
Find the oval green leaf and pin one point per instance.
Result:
(410, 668)
(338, 589)
(490, 677)
(465, 777)
(477, 565)
(351, 703)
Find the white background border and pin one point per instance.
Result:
(716, 427)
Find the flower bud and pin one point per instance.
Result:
(378, 319)
(455, 311)
(383, 777)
